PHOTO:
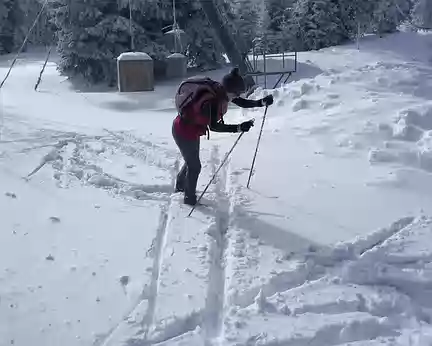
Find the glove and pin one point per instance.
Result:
(245, 127)
(267, 101)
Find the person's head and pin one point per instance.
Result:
(234, 84)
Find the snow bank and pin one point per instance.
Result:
(409, 138)
(128, 56)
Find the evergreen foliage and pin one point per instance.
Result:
(11, 19)
(92, 33)
(422, 13)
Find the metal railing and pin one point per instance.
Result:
(259, 53)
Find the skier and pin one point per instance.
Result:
(201, 104)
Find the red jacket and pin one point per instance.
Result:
(195, 124)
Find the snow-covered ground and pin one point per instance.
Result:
(330, 246)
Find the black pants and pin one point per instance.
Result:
(187, 178)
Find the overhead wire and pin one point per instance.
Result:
(24, 43)
(14, 62)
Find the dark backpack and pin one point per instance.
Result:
(191, 89)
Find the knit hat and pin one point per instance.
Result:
(233, 82)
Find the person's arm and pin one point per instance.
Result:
(211, 109)
(246, 103)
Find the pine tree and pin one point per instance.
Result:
(4, 11)
(11, 18)
(277, 12)
(387, 15)
(92, 33)
(247, 17)
(356, 15)
(204, 49)
(422, 13)
(80, 36)
(316, 24)
(43, 32)
(274, 25)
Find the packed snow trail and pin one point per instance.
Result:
(213, 311)
(168, 271)
(158, 250)
(149, 295)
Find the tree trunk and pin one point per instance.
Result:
(225, 39)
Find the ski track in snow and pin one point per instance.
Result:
(354, 291)
(146, 330)
(316, 271)
(211, 317)
(80, 158)
(213, 311)
(332, 301)
(314, 267)
(159, 248)
(149, 294)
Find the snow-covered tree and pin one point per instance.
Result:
(202, 47)
(43, 32)
(11, 18)
(422, 13)
(388, 14)
(356, 15)
(90, 36)
(277, 11)
(316, 24)
(246, 20)
(92, 33)
(274, 27)
(4, 11)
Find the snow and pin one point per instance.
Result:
(127, 56)
(330, 246)
(176, 56)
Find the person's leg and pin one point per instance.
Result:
(181, 179)
(188, 175)
(193, 170)
(181, 176)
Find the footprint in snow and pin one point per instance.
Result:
(11, 195)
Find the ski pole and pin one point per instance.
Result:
(257, 146)
(217, 171)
